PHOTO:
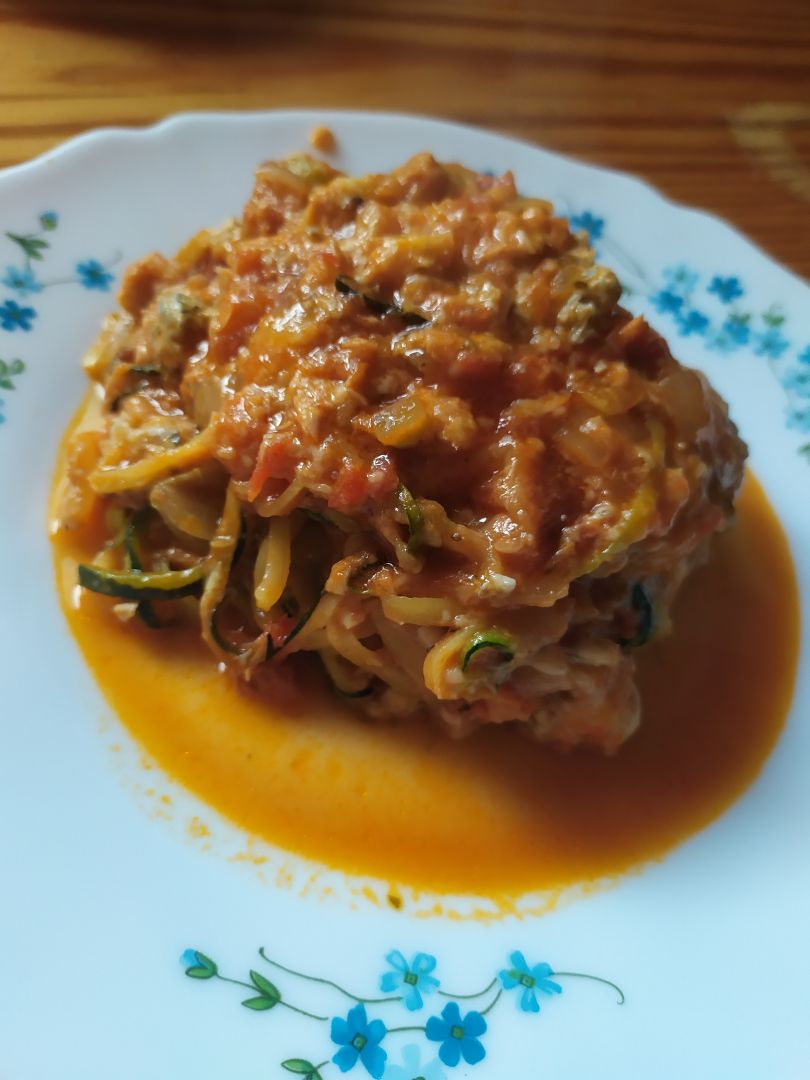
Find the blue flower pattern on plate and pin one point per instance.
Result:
(667, 302)
(13, 317)
(726, 289)
(413, 1068)
(771, 343)
(359, 1040)
(458, 1035)
(94, 276)
(680, 279)
(693, 322)
(737, 330)
(412, 979)
(531, 979)
(684, 296)
(587, 222)
(21, 281)
(798, 381)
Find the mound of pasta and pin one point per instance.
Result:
(397, 430)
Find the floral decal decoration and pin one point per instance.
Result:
(455, 1032)
(531, 980)
(412, 979)
(715, 309)
(19, 311)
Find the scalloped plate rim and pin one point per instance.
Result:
(165, 126)
(196, 1012)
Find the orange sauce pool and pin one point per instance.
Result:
(494, 815)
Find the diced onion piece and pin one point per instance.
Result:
(683, 394)
(185, 503)
(401, 423)
(419, 610)
(589, 444)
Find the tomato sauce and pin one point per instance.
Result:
(494, 815)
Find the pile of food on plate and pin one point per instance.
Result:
(398, 427)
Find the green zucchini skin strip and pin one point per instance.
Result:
(332, 517)
(641, 602)
(134, 585)
(241, 542)
(237, 650)
(132, 542)
(415, 518)
(224, 644)
(367, 691)
(489, 639)
(299, 626)
(132, 545)
(377, 304)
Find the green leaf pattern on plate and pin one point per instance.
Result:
(22, 281)
(458, 1029)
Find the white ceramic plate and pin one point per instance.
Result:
(103, 884)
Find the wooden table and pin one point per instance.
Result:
(709, 100)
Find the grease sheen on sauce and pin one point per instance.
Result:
(494, 815)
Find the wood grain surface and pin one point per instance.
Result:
(710, 101)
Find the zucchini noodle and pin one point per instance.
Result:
(145, 473)
(398, 435)
(221, 555)
(272, 564)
